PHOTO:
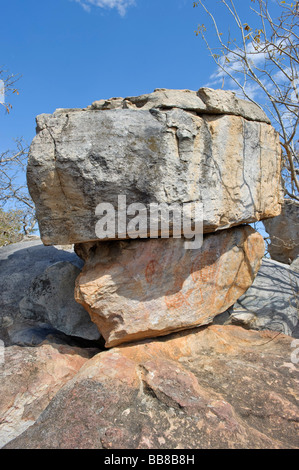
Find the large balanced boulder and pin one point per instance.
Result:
(283, 231)
(171, 146)
(136, 289)
(218, 387)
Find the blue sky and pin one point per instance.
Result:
(73, 52)
(70, 53)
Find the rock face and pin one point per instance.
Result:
(29, 379)
(272, 302)
(50, 298)
(295, 264)
(37, 294)
(171, 146)
(215, 387)
(136, 289)
(284, 233)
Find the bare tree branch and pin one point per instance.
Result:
(267, 58)
(14, 195)
(7, 87)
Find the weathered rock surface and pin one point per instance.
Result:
(295, 264)
(215, 387)
(29, 379)
(171, 146)
(272, 302)
(206, 100)
(135, 289)
(284, 233)
(37, 294)
(50, 298)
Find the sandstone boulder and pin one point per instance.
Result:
(29, 379)
(135, 289)
(284, 233)
(218, 387)
(174, 146)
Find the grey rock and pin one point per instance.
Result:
(50, 299)
(284, 233)
(271, 303)
(163, 148)
(205, 100)
(31, 333)
(295, 264)
(226, 102)
(22, 264)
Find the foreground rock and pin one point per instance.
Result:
(37, 294)
(272, 302)
(284, 233)
(29, 379)
(215, 387)
(137, 289)
(172, 146)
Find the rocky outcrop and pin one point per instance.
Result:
(136, 289)
(29, 379)
(215, 386)
(284, 233)
(37, 294)
(168, 147)
(171, 146)
(218, 387)
(272, 302)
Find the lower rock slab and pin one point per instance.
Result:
(213, 387)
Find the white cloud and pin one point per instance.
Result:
(233, 65)
(120, 5)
